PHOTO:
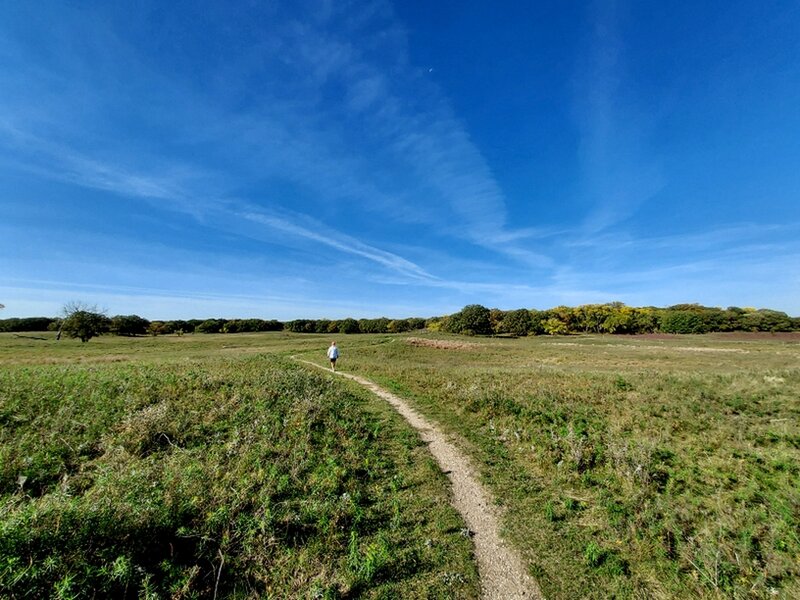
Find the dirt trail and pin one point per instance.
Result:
(502, 573)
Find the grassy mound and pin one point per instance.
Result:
(242, 477)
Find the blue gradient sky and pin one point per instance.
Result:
(332, 159)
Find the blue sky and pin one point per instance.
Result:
(331, 159)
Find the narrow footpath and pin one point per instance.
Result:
(502, 574)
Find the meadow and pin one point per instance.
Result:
(194, 466)
(629, 466)
(183, 468)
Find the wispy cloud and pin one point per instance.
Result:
(316, 232)
(61, 162)
(312, 134)
(620, 171)
(391, 146)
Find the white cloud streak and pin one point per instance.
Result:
(620, 172)
(403, 124)
(343, 243)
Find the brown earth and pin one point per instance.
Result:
(440, 344)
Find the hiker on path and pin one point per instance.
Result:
(333, 354)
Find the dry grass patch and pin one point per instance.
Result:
(441, 344)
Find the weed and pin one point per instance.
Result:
(550, 511)
(621, 384)
(594, 555)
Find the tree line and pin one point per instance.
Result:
(84, 322)
(613, 317)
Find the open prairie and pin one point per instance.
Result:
(642, 467)
(210, 466)
(190, 466)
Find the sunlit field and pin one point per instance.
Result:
(182, 467)
(630, 466)
(212, 467)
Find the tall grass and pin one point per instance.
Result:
(240, 476)
(630, 468)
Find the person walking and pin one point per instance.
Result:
(333, 354)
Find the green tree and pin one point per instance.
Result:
(373, 325)
(766, 320)
(27, 324)
(302, 326)
(348, 326)
(591, 318)
(645, 320)
(398, 326)
(83, 321)
(322, 326)
(517, 322)
(129, 325)
(682, 321)
(566, 315)
(158, 328)
(538, 317)
(496, 317)
(232, 326)
(555, 326)
(416, 323)
(620, 319)
(210, 326)
(473, 319)
(180, 327)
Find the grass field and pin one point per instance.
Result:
(629, 467)
(182, 468)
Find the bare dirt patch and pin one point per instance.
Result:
(440, 344)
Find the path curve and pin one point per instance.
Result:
(502, 574)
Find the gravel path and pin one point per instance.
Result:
(502, 573)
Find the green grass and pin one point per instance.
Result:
(212, 466)
(630, 467)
